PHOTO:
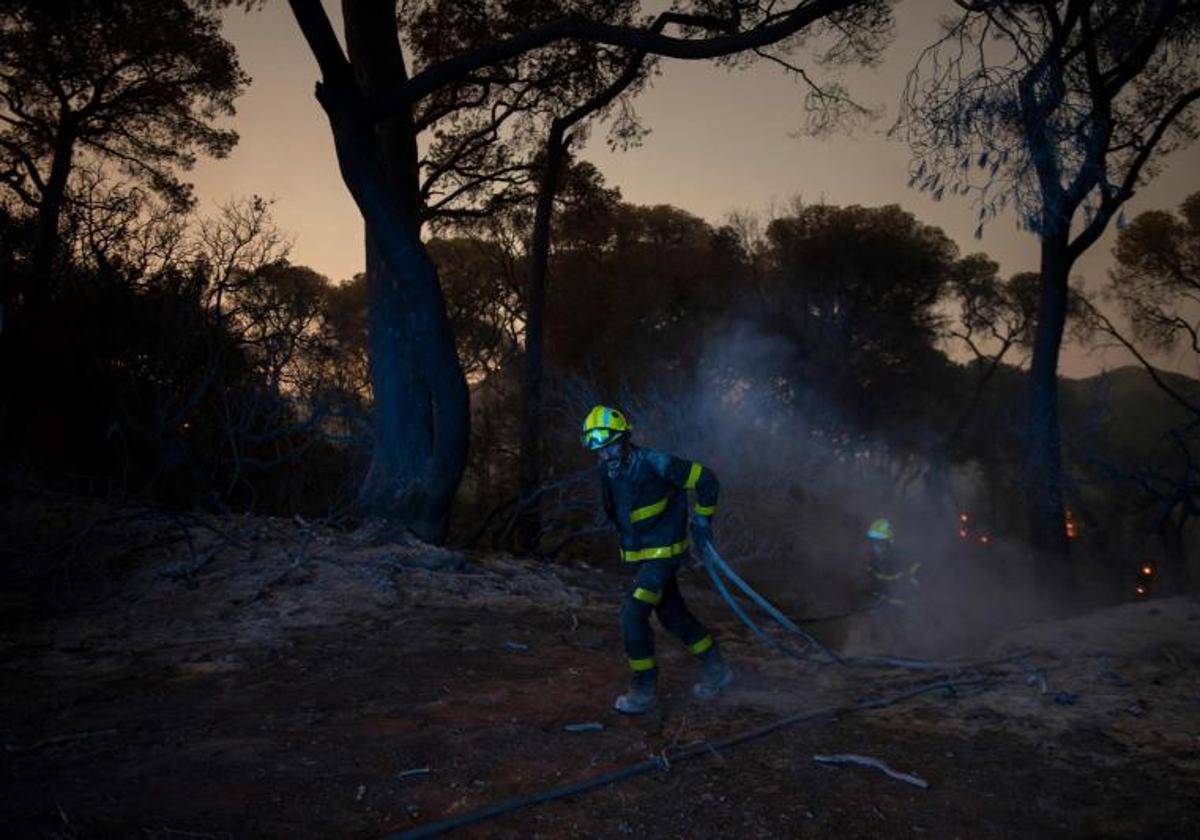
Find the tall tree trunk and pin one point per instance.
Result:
(402, 426)
(530, 470)
(25, 321)
(1174, 575)
(1043, 454)
(46, 235)
(422, 411)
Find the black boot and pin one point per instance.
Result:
(715, 676)
(642, 694)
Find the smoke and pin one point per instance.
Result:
(799, 488)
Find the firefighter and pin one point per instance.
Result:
(894, 581)
(644, 493)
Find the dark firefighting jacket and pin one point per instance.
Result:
(895, 579)
(647, 501)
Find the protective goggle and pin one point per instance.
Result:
(599, 438)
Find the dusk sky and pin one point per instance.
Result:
(720, 140)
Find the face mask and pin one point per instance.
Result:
(614, 467)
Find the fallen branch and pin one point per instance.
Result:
(867, 761)
(185, 570)
(297, 559)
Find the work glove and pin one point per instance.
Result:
(701, 530)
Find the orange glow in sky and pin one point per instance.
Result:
(721, 140)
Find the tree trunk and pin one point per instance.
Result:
(422, 418)
(402, 438)
(46, 235)
(1174, 575)
(1043, 454)
(530, 471)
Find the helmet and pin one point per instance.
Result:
(881, 529)
(603, 426)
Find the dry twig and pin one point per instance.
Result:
(867, 761)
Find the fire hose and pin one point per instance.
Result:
(716, 566)
(664, 761)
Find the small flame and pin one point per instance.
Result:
(1141, 590)
(1147, 570)
(962, 517)
(984, 538)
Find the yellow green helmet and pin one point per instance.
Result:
(603, 426)
(881, 529)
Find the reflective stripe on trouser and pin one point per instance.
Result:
(657, 578)
(660, 552)
(895, 588)
(649, 596)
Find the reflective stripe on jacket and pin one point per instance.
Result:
(648, 502)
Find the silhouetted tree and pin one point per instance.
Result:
(482, 283)
(635, 297)
(1060, 107)
(190, 362)
(993, 318)
(1156, 285)
(554, 159)
(827, 104)
(132, 84)
(857, 290)
(421, 396)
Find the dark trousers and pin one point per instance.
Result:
(654, 589)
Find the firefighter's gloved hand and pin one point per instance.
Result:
(701, 529)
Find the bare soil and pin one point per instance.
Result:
(249, 677)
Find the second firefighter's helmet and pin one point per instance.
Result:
(603, 426)
(881, 529)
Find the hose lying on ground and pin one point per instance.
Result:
(716, 566)
(664, 761)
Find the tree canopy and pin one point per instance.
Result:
(1058, 109)
(133, 87)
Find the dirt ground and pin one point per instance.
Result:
(244, 677)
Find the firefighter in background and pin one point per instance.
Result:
(894, 582)
(644, 492)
